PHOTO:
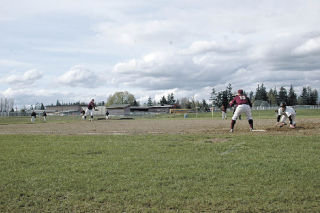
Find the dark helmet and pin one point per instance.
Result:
(283, 104)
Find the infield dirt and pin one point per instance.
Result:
(306, 126)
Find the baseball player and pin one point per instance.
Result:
(285, 112)
(82, 113)
(224, 112)
(44, 115)
(234, 109)
(89, 110)
(33, 116)
(243, 105)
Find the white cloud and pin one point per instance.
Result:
(176, 69)
(79, 76)
(309, 47)
(26, 79)
(206, 63)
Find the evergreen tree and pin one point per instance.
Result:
(163, 101)
(213, 96)
(313, 97)
(42, 106)
(149, 103)
(229, 93)
(135, 103)
(170, 99)
(272, 97)
(303, 98)
(205, 106)
(261, 93)
(223, 98)
(283, 95)
(292, 97)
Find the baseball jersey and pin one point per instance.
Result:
(287, 112)
(239, 100)
(91, 105)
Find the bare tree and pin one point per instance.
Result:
(6, 104)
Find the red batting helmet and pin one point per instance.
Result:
(240, 91)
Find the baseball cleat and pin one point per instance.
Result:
(292, 126)
(231, 130)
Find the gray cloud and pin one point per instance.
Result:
(26, 79)
(205, 63)
(79, 76)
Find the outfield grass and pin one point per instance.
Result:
(257, 114)
(159, 173)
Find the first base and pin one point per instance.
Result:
(258, 130)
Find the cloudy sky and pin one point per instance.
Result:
(74, 50)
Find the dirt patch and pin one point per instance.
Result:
(310, 126)
(215, 140)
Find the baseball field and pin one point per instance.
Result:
(160, 164)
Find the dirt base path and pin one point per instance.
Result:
(162, 126)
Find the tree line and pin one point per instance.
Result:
(261, 97)
(273, 97)
(185, 103)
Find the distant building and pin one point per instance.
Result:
(119, 110)
(139, 110)
(160, 109)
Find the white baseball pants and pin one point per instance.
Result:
(244, 108)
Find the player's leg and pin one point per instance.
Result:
(292, 121)
(91, 115)
(236, 114)
(283, 120)
(86, 113)
(249, 116)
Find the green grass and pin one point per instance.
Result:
(27, 119)
(262, 114)
(257, 114)
(159, 173)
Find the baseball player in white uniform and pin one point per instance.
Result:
(285, 112)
